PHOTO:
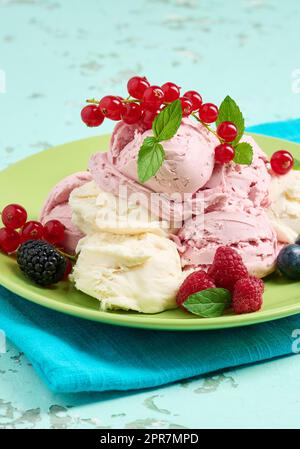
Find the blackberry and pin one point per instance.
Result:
(41, 262)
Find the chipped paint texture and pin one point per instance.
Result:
(54, 54)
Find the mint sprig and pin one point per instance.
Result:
(209, 303)
(230, 112)
(164, 127)
(150, 159)
(167, 122)
(243, 154)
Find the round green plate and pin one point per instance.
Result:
(29, 181)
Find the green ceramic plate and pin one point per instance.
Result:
(28, 183)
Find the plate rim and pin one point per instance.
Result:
(150, 322)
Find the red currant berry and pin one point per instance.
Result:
(148, 117)
(153, 97)
(187, 106)
(195, 98)
(282, 162)
(68, 269)
(32, 230)
(131, 113)
(14, 216)
(111, 107)
(171, 92)
(208, 113)
(227, 131)
(224, 153)
(92, 116)
(54, 232)
(9, 240)
(136, 86)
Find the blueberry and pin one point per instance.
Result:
(288, 261)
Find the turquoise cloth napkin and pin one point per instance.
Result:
(75, 355)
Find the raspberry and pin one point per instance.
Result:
(227, 268)
(248, 295)
(195, 282)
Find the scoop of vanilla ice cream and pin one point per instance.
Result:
(94, 210)
(125, 271)
(284, 211)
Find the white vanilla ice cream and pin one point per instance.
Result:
(125, 261)
(139, 272)
(94, 210)
(284, 211)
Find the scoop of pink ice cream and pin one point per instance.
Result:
(247, 185)
(189, 157)
(188, 166)
(57, 207)
(250, 233)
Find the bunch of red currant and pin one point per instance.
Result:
(145, 102)
(18, 230)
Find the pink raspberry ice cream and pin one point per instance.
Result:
(250, 233)
(188, 166)
(233, 196)
(57, 207)
(247, 185)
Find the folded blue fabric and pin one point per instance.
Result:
(75, 355)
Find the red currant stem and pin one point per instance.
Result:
(93, 101)
(68, 256)
(129, 100)
(207, 127)
(125, 100)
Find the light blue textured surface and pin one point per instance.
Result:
(54, 54)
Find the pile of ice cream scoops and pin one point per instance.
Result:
(135, 257)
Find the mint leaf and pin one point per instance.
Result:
(208, 303)
(229, 111)
(152, 154)
(167, 122)
(243, 154)
(150, 141)
(296, 164)
(150, 159)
